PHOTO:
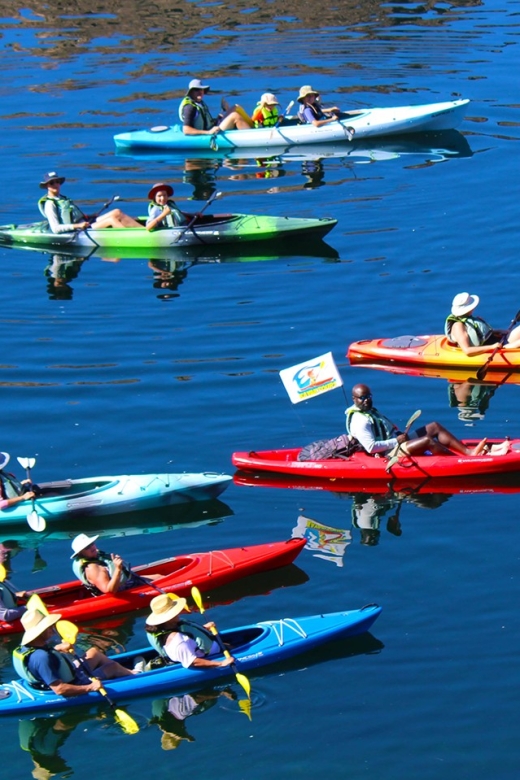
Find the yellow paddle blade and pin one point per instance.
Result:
(244, 682)
(245, 707)
(35, 602)
(68, 631)
(126, 722)
(197, 598)
(3, 573)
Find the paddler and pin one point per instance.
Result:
(162, 211)
(267, 113)
(42, 664)
(102, 572)
(196, 117)
(472, 334)
(379, 436)
(11, 606)
(12, 491)
(180, 640)
(64, 216)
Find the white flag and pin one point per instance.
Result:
(311, 378)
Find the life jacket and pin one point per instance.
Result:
(172, 220)
(66, 671)
(383, 428)
(477, 329)
(8, 595)
(203, 118)
(68, 212)
(10, 487)
(316, 110)
(103, 559)
(263, 116)
(201, 636)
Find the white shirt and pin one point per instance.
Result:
(362, 428)
(184, 650)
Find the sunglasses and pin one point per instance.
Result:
(363, 397)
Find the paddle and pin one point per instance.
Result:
(3, 573)
(280, 118)
(195, 217)
(481, 373)
(69, 633)
(241, 678)
(34, 521)
(35, 602)
(393, 460)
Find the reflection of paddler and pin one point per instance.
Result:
(43, 738)
(471, 399)
(170, 714)
(367, 513)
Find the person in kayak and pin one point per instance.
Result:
(64, 216)
(379, 436)
(267, 113)
(12, 491)
(180, 640)
(472, 334)
(42, 664)
(196, 117)
(11, 608)
(162, 212)
(102, 572)
(312, 113)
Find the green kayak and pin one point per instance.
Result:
(207, 229)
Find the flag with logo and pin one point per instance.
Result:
(312, 378)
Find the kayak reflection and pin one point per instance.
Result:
(170, 715)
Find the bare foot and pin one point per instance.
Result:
(500, 449)
(479, 449)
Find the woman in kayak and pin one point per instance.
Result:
(379, 436)
(472, 334)
(162, 212)
(180, 640)
(64, 216)
(196, 117)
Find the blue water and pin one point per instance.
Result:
(105, 371)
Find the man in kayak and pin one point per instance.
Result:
(11, 490)
(472, 334)
(42, 664)
(102, 572)
(178, 639)
(64, 216)
(379, 436)
(196, 117)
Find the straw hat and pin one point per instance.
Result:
(463, 303)
(4, 459)
(306, 90)
(268, 99)
(156, 187)
(35, 623)
(81, 542)
(164, 608)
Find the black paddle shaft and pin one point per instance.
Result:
(481, 373)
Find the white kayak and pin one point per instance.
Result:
(366, 123)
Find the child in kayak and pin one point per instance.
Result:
(162, 212)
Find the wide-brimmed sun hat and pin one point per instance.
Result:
(51, 176)
(4, 459)
(81, 542)
(197, 84)
(164, 608)
(463, 303)
(35, 623)
(306, 90)
(268, 99)
(157, 187)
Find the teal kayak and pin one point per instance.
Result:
(95, 496)
(253, 646)
(207, 230)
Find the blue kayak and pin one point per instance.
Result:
(253, 646)
(96, 496)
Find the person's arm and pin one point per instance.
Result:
(61, 688)
(10, 614)
(7, 502)
(156, 217)
(51, 213)
(98, 575)
(362, 429)
(460, 337)
(310, 119)
(188, 120)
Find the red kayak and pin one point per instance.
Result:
(206, 570)
(363, 466)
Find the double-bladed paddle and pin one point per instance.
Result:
(195, 217)
(393, 460)
(481, 373)
(281, 118)
(34, 521)
(242, 680)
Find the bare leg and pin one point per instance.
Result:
(232, 121)
(111, 668)
(443, 436)
(115, 219)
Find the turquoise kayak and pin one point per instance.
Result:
(253, 646)
(366, 123)
(95, 496)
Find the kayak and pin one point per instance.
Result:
(409, 487)
(208, 570)
(363, 466)
(208, 229)
(94, 496)
(253, 646)
(432, 351)
(366, 123)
